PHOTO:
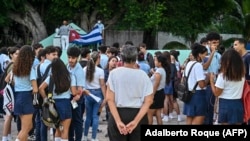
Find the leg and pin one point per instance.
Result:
(7, 125)
(95, 119)
(198, 120)
(26, 121)
(158, 116)
(76, 125)
(150, 114)
(89, 111)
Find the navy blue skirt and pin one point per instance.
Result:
(230, 111)
(197, 106)
(23, 103)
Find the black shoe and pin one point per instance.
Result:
(99, 130)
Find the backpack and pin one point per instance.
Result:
(182, 88)
(50, 116)
(246, 101)
(2, 78)
(37, 98)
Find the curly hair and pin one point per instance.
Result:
(23, 64)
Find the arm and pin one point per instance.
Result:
(157, 82)
(216, 91)
(207, 64)
(110, 98)
(103, 88)
(34, 86)
(42, 88)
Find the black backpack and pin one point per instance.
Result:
(3, 76)
(38, 100)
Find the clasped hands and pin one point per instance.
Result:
(126, 129)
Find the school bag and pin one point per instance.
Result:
(37, 98)
(182, 89)
(8, 97)
(2, 78)
(50, 116)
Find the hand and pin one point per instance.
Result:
(76, 97)
(122, 128)
(131, 126)
(45, 101)
(85, 91)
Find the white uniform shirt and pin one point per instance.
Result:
(197, 74)
(231, 89)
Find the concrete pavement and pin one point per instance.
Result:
(102, 126)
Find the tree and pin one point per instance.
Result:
(187, 18)
(22, 12)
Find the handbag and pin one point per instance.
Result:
(50, 116)
(8, 96)
(183, 92)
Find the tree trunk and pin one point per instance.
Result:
(149, 39)
(32, 20)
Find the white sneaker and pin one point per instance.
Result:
(165, 118)
(179, 119)
(171, 116)
(94, 140)
(85, 138)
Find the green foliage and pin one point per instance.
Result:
(175, 45)
(187, 18)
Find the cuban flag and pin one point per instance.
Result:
(93, 37)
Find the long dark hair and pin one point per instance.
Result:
(60, 75)
(166, 66)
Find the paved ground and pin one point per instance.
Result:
(102, 126)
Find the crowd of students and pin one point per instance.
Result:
(127, 79)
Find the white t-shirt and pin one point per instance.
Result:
(196, 74)
(98, 74)
(130, 86)
(231, 89)
(162, 84)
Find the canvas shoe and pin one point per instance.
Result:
(85, 138)
(165, 119)
(179, 118)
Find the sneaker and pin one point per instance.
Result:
(165, 119)
(179, 119)
(85, 138)
(99, 130)
(32, 138)
(171, 116)
(94, 140)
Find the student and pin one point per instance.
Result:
(195, 109)
(13, 53)
(51, 53)
(61, 95)
(75, 69)
(229, 87)
(25, 85)
(160, 78)
(94, 79)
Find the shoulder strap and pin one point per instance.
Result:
(38, 71)
(189, 74)
(50, 87)
(47, 70)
